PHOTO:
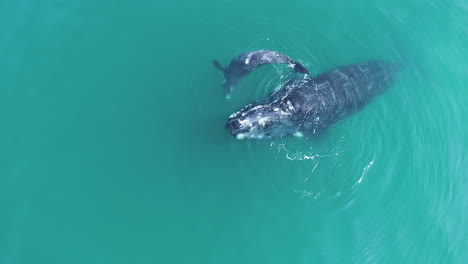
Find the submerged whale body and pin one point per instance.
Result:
(311, 105)
(245, 63)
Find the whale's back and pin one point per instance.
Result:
(357, 83)
(344, 90)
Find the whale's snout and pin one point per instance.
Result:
(233, 125)
(237, 129)
(257, 121)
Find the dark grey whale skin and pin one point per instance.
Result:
(245, 63)
(313, 104)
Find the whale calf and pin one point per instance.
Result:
(245, 63)
(310, 105)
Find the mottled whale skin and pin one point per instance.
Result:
(310, 105)
(245, 63)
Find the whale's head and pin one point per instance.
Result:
(267, 120)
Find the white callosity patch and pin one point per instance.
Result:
(245, 123)
(234, 114)
(263, 121)
(240, 136)
(256, 107)
(249, 57)
(298, 134)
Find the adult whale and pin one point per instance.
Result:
(245, 63)
(310, 105)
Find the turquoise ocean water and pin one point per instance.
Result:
(113, 147)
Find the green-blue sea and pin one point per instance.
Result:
(113, 146)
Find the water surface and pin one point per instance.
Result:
(113, 146)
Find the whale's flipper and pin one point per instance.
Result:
(219, 66)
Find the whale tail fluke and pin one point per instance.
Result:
(300, 68)
(219, 66)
